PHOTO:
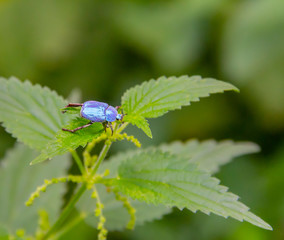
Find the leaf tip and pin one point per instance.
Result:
(234, 88)
(266, 226)
(33, 162)
(42, 157)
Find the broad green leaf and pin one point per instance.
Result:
(163, 178)
(31, 113)
(116, 215)
(18, 180)
(156, 97)
(210, 155)
(64, 141)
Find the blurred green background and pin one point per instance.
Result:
(104, 47)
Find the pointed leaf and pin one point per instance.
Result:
(210, 155)
(162, 178)
(156, 97)
(31, 113)
(18, 180)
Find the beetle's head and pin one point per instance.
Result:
(119, 116)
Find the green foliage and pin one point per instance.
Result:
(154, 98)
(140, 122)
(31, 113)
(64, 141)
(18, 180)
(177, 174)
(115, 213)
(162, 178)
(210, 155)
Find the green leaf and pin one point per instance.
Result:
(140, 122)
(65, 141)
(210, 155)
(162, 178)
(156, 97)
(31, 113)
(116, 215)
(18, 180)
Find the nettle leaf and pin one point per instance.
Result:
(114, 211)
(210, 155)
(156, 97)
(116, 215)
(64, 141)
(31, 113)
(163, 178)
(18, 180)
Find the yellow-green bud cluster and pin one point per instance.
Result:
(119, 137)
(43, 224)
(47, 182)
(131, 210)
(99, 213)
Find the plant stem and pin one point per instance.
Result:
(65, 213)
(78, 161)
(68, 209)
(100, 158)
(70, 225)
(122, 127)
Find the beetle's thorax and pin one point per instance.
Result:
(111, 114)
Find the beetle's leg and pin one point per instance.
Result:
(78, 128)
(104, 125)
(72, 105)
(110, 125)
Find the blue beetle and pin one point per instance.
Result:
(96, 112)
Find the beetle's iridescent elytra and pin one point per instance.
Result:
(96, 112)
